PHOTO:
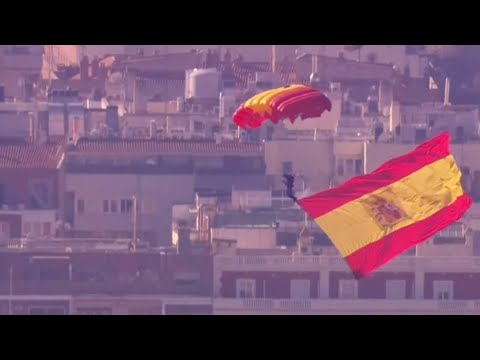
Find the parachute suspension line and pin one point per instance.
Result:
(289, 181)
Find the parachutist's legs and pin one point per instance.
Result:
(289, 183)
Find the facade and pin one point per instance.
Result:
(20, 69)
(90, 283)
(30, 185)
(157, 173)
(279, 284)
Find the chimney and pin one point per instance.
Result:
(84, 68)
(2, 93)
(447, 92)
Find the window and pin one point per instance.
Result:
(37, 311)
(27, 227)
(2, 194)
(349, 167)
(4, 228)
(187, 279)
(340, 169)
(40, 194)
(270, 130)
(396, 289)
(245, 288)
(94, 311)
(106, 206)
(198, 126)
(300, 289)
(204, 162)
(113, 206)
(56, 311)
(37, 229)
(453, 231)
(466, 178)
(80, 206)
(443, 289)
(348, 289)
(359, 167)
(460, 134)
(475, 186)
(126, 206)
(47, 229)
(176, 161)
(257, 163)
(49, 273)
(287, 167)
(46, 311)
(148, 206)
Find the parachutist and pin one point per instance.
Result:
(289, 183)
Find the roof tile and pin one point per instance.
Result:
(245, 71)
(24, 155)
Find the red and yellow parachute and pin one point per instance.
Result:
(289, 102)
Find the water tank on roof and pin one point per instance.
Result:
(203, 84)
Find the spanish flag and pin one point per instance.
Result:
(371, 219)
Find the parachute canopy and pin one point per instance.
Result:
(289, 102)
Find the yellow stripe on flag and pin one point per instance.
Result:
(403, 203)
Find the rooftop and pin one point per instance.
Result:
(23, 154)
(243, 72)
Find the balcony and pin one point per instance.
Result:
(104, 288)
(334, 263)
(344, 306)
(20, 106)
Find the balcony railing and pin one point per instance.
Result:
(403, 263)
(111, 288)
(346, 306)
(21, 106)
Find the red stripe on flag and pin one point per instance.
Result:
(387, 174)
(366, 260)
